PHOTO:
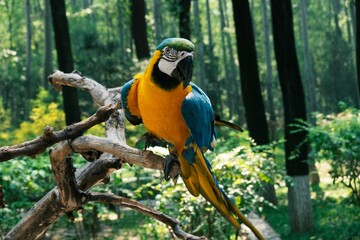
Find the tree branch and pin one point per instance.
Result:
(121, 201)
(69, 194)
(98, 92)
(49, 137)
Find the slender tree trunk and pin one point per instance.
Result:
(268, 76)
(309, 72)
(199, 46)
(249, 73)
(300, 208)
(47, 64)
(348, 24)
(65, 60)
(212, 66)
(28, 85)
(184, 18)
(211, 45)
(224, 56)
(234, 85)
(357, 14)
(269, 189)
(138, 29)
(310, 82)
(158, 20)
(250, 81)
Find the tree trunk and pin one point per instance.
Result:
(250, 82)
(299, 204)
(158, 20)
(225, 58)
(310, 82)
(199, 46)
(294, 108)
(357, 14)
(309, 72)
(212, 66)
(28, 85)
(138, 29)
(249, 73)
(184, 18)
(268, 76)
(65, 60)
(234, 98)
(47, 64)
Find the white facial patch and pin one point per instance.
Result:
(167, 67)
(168, 63)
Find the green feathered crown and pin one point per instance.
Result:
(180, 44)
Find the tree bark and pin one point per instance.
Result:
(249, 73)
(184, 18)
(199, 46)
(268, 76)
(158, 20)
(138, 29)
(225, 61)
(309, 71)
(250, 82)
(310, 82)
(299, 204)
(65, 60)
(28, 85)
(296, 150)
(357, 16)
(47, 64)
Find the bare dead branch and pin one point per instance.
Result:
(75, 79)
(125, 202)
(69, 195)
(49, 137)
(125, 153)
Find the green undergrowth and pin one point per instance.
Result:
(336, 216)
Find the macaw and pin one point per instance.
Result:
(174, 109)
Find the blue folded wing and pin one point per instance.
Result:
(199, 116)
(135, 120)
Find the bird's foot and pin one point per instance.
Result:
(170, 160)
(150, 141)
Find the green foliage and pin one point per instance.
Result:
(336, 138)
(25, 181)
(241, 172)
(44, 112)
(334, 216)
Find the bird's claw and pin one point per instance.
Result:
(169, 161)
(150, 141)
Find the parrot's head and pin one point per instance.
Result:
(175, 63)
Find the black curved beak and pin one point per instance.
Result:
(184, 70)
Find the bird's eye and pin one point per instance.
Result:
(167, 51)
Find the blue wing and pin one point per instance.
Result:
(199, 116)
(125, 92)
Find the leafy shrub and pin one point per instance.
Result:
(241, 173)
(45, 111)
(336, 138)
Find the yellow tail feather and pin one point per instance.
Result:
(201, 180)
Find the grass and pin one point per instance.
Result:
(336, 216)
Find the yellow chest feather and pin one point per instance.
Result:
(161, 112)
